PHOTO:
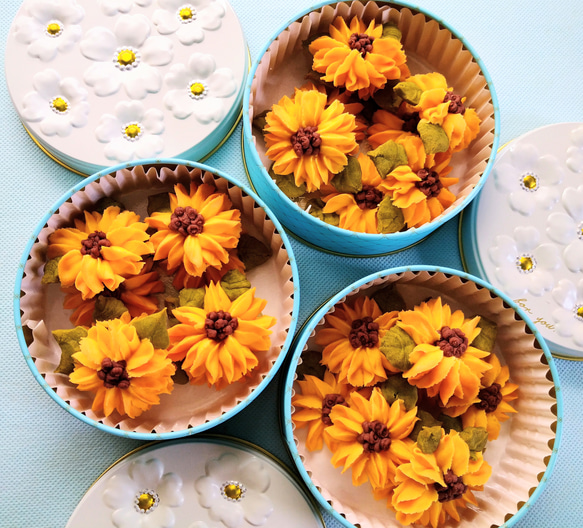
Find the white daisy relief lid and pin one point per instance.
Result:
(102, 82)
(524, 234)
(203, 482)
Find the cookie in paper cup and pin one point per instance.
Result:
(263, 258)
(520, 428)
(303, 197)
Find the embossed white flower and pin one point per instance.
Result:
(133, 132)
(234, 491)
(568, 317)
(113, 7)
(49, 28)
(522, 263)
(529, 179)
(188, 18)
(575, 151)
(567, 229)
(199, 88)
(145, 496)
(127, 56)
(58, 105)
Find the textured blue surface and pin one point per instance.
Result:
(49, 458)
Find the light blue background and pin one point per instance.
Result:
(48, 459)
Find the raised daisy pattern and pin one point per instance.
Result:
(568, 315)
(127, 56)
(49, 28)
(199, 88)
(114, 7)
(528, 178)
(575, 151)
(233, 490)
(145, 496)
(57, 104)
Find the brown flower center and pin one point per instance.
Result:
(369, 198)
(374, 437)
(410, 122)
(327, 403)
(219, 325)
(364, 333)
(186, 221)
(453, 342)
(93, 243)
(453, 489)
(114, 374)
(456, 106)
(306, 141)
(490, 398)
(430, 184)
(361, 42)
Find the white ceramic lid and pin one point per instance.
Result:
(101, 82)
(524, 233)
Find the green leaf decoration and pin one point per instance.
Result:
(475, 437)
(259, 121)
(389, 299)
(387, 99)
(487, 337)
(107, 308)
(51, 271)
(159, 203)
(252, 251)
(391, 30)
(425, 420)
(69, 341)
(398, 388)
(287, 184)
(409, 91)
(180, 377)
(235, 284)
(397, 345)
(390, 218)
(449, 423)
(433, 136)
(155, 328)
(311, 365)
(105, 202)
(388, 156)
(193, 297)
(349, 180)
(428, 439)
(317, 211)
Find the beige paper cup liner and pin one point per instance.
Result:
(188, 406)
(520, 455)
(429, 47)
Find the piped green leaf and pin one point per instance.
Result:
(425, 420)
(386, 98)
(388, 156)
(398, 388)
(69, 342)
(391, 30)
(159, 203)
(155, 328)
(105, 202)
(311, 365)
(51, 271)
(428, 439)
(317, 210)
(397, 346)
(235, 284)
(390, 218)
(349, 180)
(287, 184)
(409, 91)
(193, 297)
(252, 251)
(107, 308)
(449, 423)
(475, 437)
(389, 299)
(486, 339)
(259, 121)
(433, 136)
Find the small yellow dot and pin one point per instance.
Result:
(59, 104)
(529, 181)
(126, 57)
(197, 88)
(580, 312)
(526, 263)
(185, 13)
(53, 28)
(145, 501)
(132, 131)
(233, 491)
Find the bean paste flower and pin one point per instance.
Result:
(126, 373)
(101, 251)
(218, 343)
(198, 231)
(309, 139)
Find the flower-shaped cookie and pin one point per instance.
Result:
(57, 104)
(128, 56)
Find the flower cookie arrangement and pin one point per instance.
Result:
(362, 143)
(160, 299)
(405, 399)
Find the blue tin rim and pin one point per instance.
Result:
(305, 331)
(419, 232)
(173, 434)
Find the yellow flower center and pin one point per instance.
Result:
(132, 131)
(579, 312)
(185, 13)
(197, 88)
(530, 182)
(526, 263)
(53, 29)
(59, 104)
(146, 501)
(233, 491)
(126, 57)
